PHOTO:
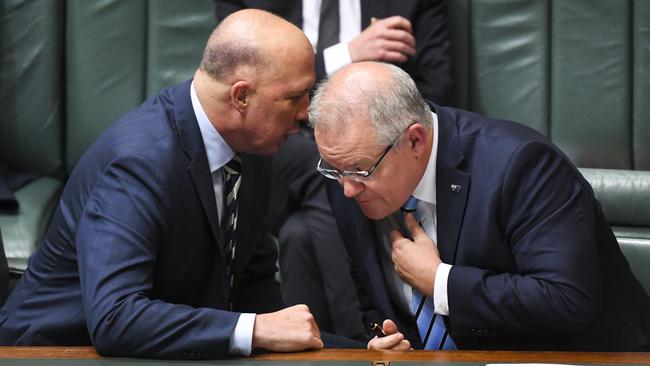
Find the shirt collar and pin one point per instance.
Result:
(218, 151)
(426, 189)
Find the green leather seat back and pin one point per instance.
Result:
(121, 52)
(637, 252)
(31, 117)
(577, 71)
(31, 78)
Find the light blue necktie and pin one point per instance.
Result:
(431, 326)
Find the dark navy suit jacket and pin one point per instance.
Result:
(535, 263)
(133, 261)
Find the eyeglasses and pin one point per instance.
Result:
(355, 175)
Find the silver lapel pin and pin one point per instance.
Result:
(456, 188)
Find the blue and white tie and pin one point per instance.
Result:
(431, 326)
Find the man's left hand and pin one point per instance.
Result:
(416, 261)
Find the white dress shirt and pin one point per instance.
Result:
(425, 192)
(219, 154)
(338, 55)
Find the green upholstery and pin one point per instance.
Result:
(30, 86)
(121, 52)
(561, 67)
(105, 51)
(21, 233)
(637, 252)
(624, 195)
(641, 88)
(178, 31)
(31, 116)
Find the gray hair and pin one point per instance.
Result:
(392, 103)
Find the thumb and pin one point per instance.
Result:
(389, 327)
(413, 226)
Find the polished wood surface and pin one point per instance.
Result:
(365, 355)
(48, 352)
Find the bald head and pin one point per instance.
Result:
(249, 41)
(380, 93)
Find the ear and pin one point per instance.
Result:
(240, 93)
(416, 135)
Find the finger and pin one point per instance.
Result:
(395, 235)
(314, 326)
(387, 342)
(300, 308)
(399, 35)
(317, 342)
(413, 226)
(396, 46)
(404, 345)
(399, 22)
(389, 326)
(392, 56)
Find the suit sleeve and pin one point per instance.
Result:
(118, 238)
(547, 217)
(431, 65)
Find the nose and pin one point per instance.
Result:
(351, 188)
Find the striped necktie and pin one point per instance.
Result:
(431, 326)
(232, 182)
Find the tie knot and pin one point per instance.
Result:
(410, 205)
(233, 167)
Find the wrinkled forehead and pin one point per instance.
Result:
(346, 147)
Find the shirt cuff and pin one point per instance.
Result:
(440, 289)
(241, 339)
(335, 57)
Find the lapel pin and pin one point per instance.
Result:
(455, 188)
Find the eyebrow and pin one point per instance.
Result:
(303, 91)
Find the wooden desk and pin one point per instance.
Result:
(361, 356)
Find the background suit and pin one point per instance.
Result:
(133, 260)
(311, 252)
(535, 263)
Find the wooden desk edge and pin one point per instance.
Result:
(366, 355)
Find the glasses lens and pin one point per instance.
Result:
(329, 174)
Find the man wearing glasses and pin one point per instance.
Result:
(468, 232)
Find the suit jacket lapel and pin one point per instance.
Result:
(452, 186)
(192, 143)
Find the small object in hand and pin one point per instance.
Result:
(377, 330)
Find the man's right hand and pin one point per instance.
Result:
(388, 40)
(394, 340)
(287, 330)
